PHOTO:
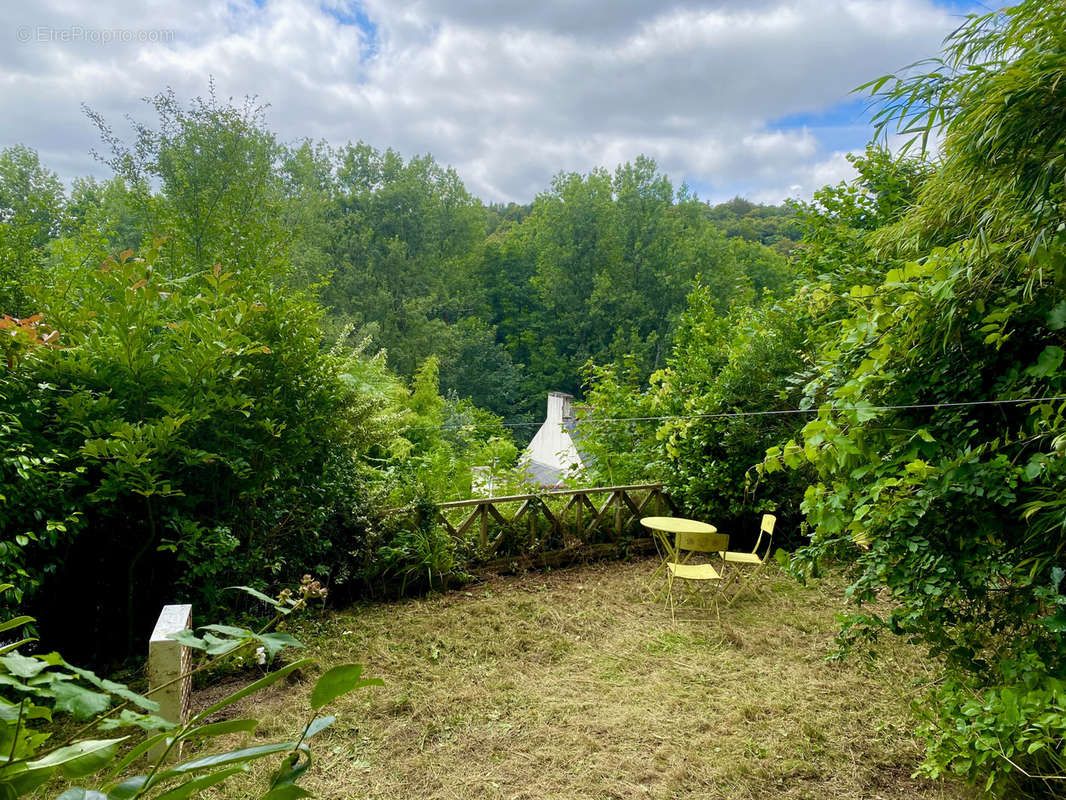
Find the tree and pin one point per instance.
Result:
(31, 209)
(220, 198)
(939, 444)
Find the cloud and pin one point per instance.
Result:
(508, 94)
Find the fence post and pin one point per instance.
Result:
(580, 501)
(168, 660)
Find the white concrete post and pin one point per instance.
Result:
(167, 660)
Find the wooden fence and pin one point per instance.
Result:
(549, 528)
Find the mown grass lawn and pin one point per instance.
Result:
(571, 684)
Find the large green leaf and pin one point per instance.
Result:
(317, 725)
(7, 648)
(339, 681)
(1049, 360)
(229, 630)
(188, 639)
(23, 666)
(219, 647)
(128, 717)
(189, 788)
(80, 758)
(15, 622)
(77, 700)
(119, 689)
(229, 758)
(73, 761)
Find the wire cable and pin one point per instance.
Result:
(776, 412)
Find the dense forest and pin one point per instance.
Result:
(223, 360)
(242, 340)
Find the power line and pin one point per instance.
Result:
(780, 412)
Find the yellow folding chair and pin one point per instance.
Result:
(686, 545)
(742, 561)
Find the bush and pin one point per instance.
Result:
(189, 434)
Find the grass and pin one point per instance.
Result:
(570, 684)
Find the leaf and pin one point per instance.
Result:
(251, 688)
(229, 630)
(77, 700)
(1047, 362)
(317, 725)
(219, 647)
(270, 601)
(232, 757)
(294, 765)
(189, 639)
(82, 794)
(15, 622)
(81, 758)
(119, 689)
(129, 788)
(339, 681)
(146, 722)
(23, 666)
(864, 411)
(189, 788)
(275, 642)
(1056, 318)
(7, 648)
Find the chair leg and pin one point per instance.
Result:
(748, 583)
(670, 594)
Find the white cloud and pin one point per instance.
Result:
(508, 94)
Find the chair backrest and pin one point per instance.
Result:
(767, 527)
(703, 542)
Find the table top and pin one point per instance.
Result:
(677, 525)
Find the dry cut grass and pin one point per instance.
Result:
(572, 684)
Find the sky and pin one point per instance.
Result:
(732, 97)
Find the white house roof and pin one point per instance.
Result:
(552, 456)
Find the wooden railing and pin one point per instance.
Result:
(549, 528)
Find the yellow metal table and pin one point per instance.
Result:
(665, 530)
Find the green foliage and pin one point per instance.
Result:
(611, 259)
(742, 362)
(31, 208)
(404, 241)
(48, 688)
(774, 226)
(956, 509)
(440, 441)
(221, 199)
(191, 431)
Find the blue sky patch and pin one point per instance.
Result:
(355, 15)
